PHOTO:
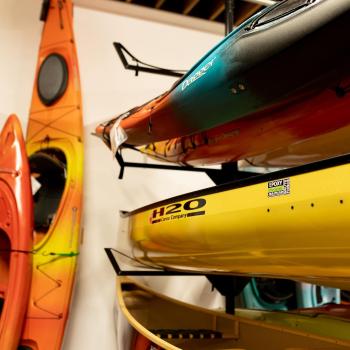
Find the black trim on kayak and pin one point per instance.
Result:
(45, 6)
(144, 67)
(254, 180)
(280, 10)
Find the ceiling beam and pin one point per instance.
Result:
(247, 11)
(121, 8)
(189, 5)
(217, 11)
(129, 1)
(159, 4)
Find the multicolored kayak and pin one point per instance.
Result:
(260, 134)
(299, 230)
(164, 323)
(16, 233)
(55, 150)
(265, 77)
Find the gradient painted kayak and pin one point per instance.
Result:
(164, 323)
(16, 233)
(313, 149)
(262, 134)
(273, 61)
(55, 150)
(291, 224)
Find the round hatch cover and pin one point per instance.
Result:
(52, 79)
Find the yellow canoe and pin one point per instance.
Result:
(160, 322)
(291, 224)
(55, 151)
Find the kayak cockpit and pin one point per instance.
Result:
(49, 169)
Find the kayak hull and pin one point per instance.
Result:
(16, 233)
(328, 145)
(276, 129)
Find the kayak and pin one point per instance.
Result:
(16, 233)
(270, 67)
(164, 323)
(55, 151)
(325, 146)
(299, 231)
(259, 135)
(281, 294)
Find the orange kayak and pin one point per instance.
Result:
(55, 151)
(16, 233)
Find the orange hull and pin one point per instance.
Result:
(55, 150)
(264, 132)
(16, 233)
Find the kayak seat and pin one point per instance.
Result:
(50, 173)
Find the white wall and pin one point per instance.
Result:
(107, 90)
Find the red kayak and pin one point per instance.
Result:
(16, 232)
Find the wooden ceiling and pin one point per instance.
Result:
(213, 10)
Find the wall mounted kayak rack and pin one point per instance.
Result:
(142, 66)
(228, 171)
(228, 286)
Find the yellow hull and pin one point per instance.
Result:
(165, 323)
(295, 228)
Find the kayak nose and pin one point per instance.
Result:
(102, 133)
